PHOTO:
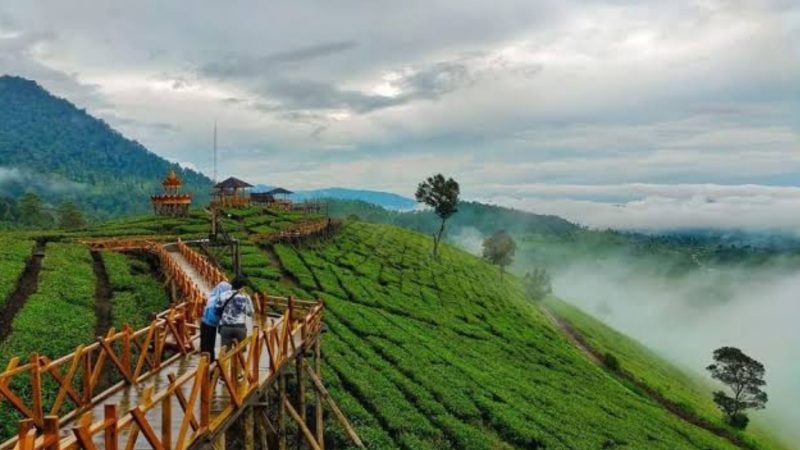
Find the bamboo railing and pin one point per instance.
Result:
(300, 231)
(133, 356)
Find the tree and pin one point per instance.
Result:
(537, 284)
(499, 250)
(31, 211)
(69, 216)
(745, 377)
(442, 195)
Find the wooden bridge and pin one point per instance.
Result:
(151, 389)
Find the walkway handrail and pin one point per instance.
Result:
(133, 356)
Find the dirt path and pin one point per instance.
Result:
(27, 284)
(576, 338)
(102, 295)
(287, 278)
(596, 357)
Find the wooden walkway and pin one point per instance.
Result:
(170, 396)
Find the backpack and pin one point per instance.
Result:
(219, 309)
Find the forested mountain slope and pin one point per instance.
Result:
(60, 152)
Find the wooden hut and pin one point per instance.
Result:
(231, 193)
(171, 202)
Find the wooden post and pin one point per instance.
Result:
(173, 292)
(52, 440)
(282, 411)
(219, 440)
(87, 377)
(301, 392)
(36, 388)
(249, 429)
(318, 396)
(336, 411)
(110, 434)
(27, 434)
(166, 422)
(304, 431)
(205, 397)
(260, 411)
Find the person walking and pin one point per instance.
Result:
(234, 312)
(209, 323)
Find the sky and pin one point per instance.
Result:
(640, 114)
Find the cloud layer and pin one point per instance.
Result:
(501, 95)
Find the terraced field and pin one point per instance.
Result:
(420, 354)
(426, 354)
(14, 254)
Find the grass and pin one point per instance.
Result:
(14, 254)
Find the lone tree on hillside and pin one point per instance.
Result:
(745, 377)
(69, 216)
(32, 211)
(537, 284)
(499, 250)
(442, 195)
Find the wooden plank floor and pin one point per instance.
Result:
(130, 396)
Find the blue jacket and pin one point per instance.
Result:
(210, 316)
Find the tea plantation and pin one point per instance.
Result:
(420, 353)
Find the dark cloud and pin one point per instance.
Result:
(238, 65)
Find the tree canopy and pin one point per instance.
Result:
(499, 249)
(441, 194)
(744, 376)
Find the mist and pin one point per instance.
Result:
(685, 318)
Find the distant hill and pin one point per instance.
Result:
(383, 199)
(60, 152)
(486, 219)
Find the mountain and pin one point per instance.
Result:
(52, 148)
(383, 199)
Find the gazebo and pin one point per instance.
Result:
(171, 202)
(231, 193)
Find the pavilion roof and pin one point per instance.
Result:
(233, 183)
(280, 191)
(171, 180)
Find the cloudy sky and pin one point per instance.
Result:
(614, 113)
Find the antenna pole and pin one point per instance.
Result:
(215, 153)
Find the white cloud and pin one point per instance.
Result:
(658, 207)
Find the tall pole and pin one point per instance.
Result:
(214, 162)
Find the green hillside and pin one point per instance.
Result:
(50, 147)
(686, 391)
(420, 353)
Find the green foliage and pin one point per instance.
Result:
(441, 194)
(32, 213)
(499, 249)
(63, 153)
(69, 216)
(14, 254)
(745, 378)
(687, 391)
(439, 354)
(137, 295)
(537, 284)
(60, 315)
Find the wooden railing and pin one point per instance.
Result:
(300, 231)
(133, 356)
(128, 355)
(239, 369)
